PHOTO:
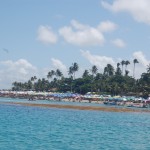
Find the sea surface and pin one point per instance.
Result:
(39, 128)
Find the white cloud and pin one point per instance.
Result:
(99, 61)
(139, 9)
(19, 71)
(77, 33)
(107, 26)
(81, 35)
(79, 26)
(46, 35)
(57, 64)
(141, 58)
(118, 43)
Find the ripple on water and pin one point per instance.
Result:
(28, 128)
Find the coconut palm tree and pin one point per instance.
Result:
(75, 68)
(94, 70)
(135, 61)
(50, 74)
(33, 79)
(58, 73)
(70, 71)
(126, 72)
(110, 69)
(148, 68)
(118, 64)
(122, 63)
(85, 73)
(126, 64)
(118, 70)
(106, 71)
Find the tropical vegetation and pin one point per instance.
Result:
(110, 81)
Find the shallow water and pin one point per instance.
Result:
(29, 128)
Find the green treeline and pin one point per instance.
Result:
(111, 81)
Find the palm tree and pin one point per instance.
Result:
(70, 72)
(122, 63)
(94, 70)
(58, 73)
(126, 64)
(126, 72)
(118, 70)
(110, 69)
(75, 68)
(16, 85)
(148, 68)
(118, 64)
(106, 71)
(134, 62)
(29, 85)
(50, 74)
(33, 79)
(85, 73)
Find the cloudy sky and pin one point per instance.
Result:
(39, 35)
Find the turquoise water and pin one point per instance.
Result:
(37, 128)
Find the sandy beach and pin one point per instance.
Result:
(94, 108)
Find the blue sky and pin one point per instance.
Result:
(39, 35)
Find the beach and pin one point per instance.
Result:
(60, 100)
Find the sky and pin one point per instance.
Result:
(37, 36)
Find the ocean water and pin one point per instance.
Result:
(39, 128)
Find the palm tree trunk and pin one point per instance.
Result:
(122, 69)
(133, 70)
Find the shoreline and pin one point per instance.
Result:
(92, 108)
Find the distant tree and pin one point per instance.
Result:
(110, 69)
(118, 64)
(135, 61)
(106, 71)
(118, 70)
(94, 70)
(33, 80)
(70, 71)
(126, 72)
(85, 74)
(50, 74)
(122, 63)
(75, 68)
(148, 68)
(29, 85)
(126, 64)
(58, 73)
